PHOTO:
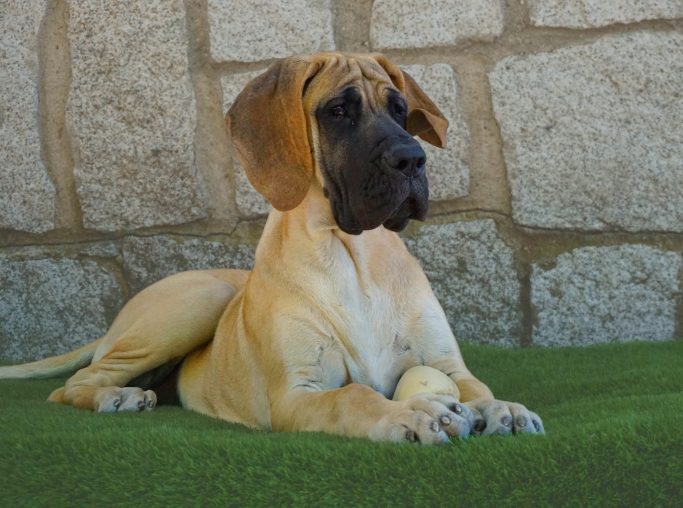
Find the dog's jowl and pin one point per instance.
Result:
(317, 335)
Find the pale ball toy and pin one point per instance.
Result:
(423, 379)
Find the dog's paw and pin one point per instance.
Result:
(116, 400)
(424, 419)
(497, 417)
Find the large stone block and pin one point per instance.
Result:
(473, 275)
(447, 169)
(247, 31)
(594, 13)
(27, 195)
(132, 113)
(398, 24)
(592, 133)
(51, 306)
(249, 202)
(606, 294)
(149, 259)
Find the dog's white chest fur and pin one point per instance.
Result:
(368, 325)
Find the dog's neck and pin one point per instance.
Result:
(314, 215)
(309, 232)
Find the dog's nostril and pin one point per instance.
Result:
(408, 158)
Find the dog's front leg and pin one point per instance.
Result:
(439, 349)
(358, 410)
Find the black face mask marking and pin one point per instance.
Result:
(374, 171)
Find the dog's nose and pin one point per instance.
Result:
(408, 158)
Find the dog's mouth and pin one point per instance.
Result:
(409, 200)
(411, 208)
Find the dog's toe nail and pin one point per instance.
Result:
(506, 421)
(411, 436)
(434, 427)
(521, 422)
(445, 420)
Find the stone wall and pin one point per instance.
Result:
(557, 212)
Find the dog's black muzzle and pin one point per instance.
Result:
(389, 190)
(405, 156)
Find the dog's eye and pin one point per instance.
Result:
(399, 110)
(338, 111)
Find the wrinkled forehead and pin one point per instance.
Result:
(340, 72)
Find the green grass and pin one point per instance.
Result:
(613, 417)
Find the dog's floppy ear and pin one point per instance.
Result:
(267, 124)
(424, 118)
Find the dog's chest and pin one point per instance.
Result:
(371, 328)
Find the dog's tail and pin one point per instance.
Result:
(53, 366)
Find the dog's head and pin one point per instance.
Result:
(347, 120)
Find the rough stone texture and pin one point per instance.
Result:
(101, 251)
(447, 169)
(585, 138)
(149, 259)
(473, 276)
(50, 306)
(249, 31)
(27, 195)
(249, 202)
(594, 13)
(232, 85)
(400, 24)
(132, 113)
(592, 133)
(606, 294)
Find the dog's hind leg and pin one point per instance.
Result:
(101, 386)
(159, 326)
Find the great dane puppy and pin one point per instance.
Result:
(317, 335)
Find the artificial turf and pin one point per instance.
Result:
(613, 416)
